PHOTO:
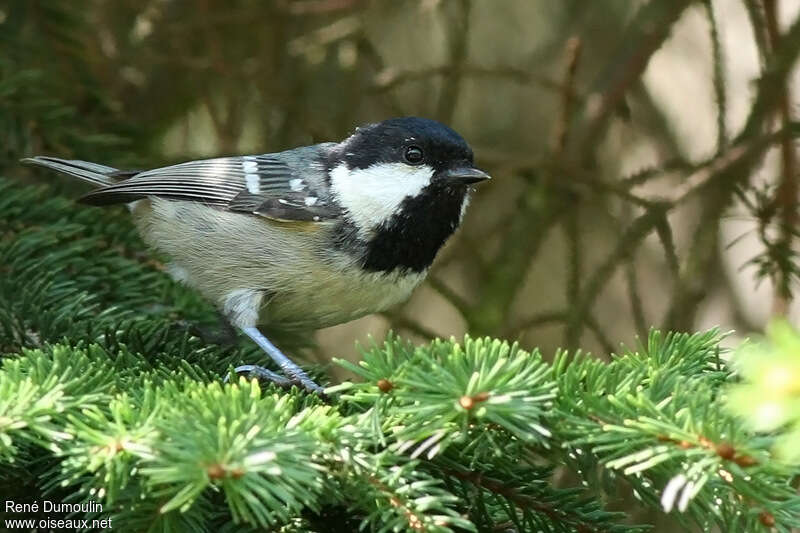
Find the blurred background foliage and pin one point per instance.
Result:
(643, 152)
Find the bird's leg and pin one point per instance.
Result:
(289, 368)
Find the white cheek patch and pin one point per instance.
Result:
(372, 195)
(464, 205)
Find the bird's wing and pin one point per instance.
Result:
(267, 185)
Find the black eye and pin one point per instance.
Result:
(414, 155)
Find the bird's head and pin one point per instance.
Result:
(403, 186)
(381, 169)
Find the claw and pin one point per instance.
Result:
(265, 374)
(261, 373)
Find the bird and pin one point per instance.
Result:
(300, 239)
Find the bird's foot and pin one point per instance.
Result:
(296, 375)
(301, 381)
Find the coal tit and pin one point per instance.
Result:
(306, 238)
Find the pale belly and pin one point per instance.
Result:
(261, 273)
(336, 299)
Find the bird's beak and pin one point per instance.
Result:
(464, 175)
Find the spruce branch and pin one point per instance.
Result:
(407, 497)
(526, 499)
(41, 384)
(437, 394)
(677, 449)
(235, 439)
(129, 410)
(109, 441)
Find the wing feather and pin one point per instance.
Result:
(263, 185)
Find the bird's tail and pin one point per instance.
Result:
(100, 175)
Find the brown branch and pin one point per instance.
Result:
(390, 78)
(540, 319)
(399, 321)
(371, 55)
(723, 449)
(697, 274)
(523, 501)
(664, 232)
(736, 159)
(521, 241)
(573, 52)
(725, 173)
(227, 128)
(449, 294)
(786, 194)
(574, 262)
(698, 179)
(758, 25)
(635, 299)
(744, 152)
(337, 30)
(702, 172)
(628, 242)
(631, 276)
(458, 37)
(399, 502)
(599, 334)
(644, 36)
(471, 244)
(572, 221)
(773, 79)
(719, 76)
(316, 7)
